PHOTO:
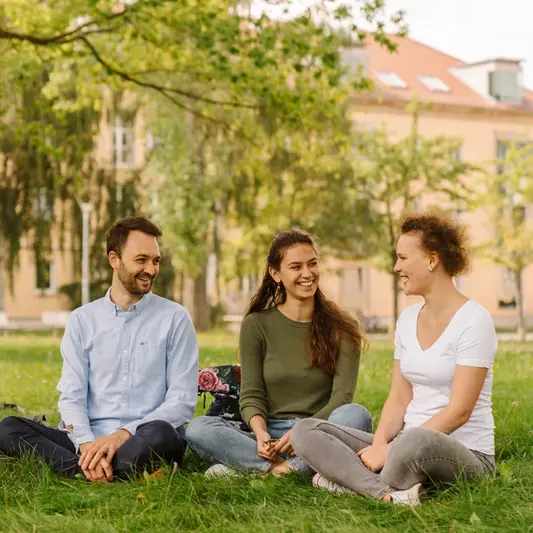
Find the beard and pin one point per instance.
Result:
(131, 282)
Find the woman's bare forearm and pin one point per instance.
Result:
(258, 425)
(391, 421)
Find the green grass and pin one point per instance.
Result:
(34, 499)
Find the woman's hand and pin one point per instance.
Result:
(284, 445)
(374, 456)
(265, 447)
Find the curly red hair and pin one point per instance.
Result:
(441, 234)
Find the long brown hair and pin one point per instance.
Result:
(329, 324)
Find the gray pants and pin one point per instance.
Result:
(416, 455)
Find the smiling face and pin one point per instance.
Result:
(412, 264)
(299, 271)
(138, 264)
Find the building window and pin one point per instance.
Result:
(508, 276)
(43, 206)
(501, 149)
(123, 156)
(456, 153)
(45, 277)
(360, 277)
(506, 87)
(354, 60)
(434, 84)
(507, 304)
(518, 211)
(391, 79)
(459, 209)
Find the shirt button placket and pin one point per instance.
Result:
(124, 364)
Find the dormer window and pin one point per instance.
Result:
(498, 79)
(434, 84)
(505, 86)
(391, 79)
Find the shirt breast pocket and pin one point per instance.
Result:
(150, 358)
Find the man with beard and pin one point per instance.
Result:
(130, 364)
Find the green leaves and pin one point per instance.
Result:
(191, 51)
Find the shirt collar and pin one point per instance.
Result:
(137, 307)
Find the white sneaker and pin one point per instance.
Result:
(409, 497)
(321, 482)
(219, 471)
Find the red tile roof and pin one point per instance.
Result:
(412, 59)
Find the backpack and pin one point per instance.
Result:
(223, 382)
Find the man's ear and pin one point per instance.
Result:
(274, 274)
(113, 259)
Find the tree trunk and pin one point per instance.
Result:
(395, 288)
(181, 287)
(201, 314)
(392, 250)
(217, 250)
(2, 274)
(395, 303)
(521, 327)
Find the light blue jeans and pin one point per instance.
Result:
(220, 441)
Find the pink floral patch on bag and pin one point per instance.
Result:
(208, 380)
(223, 383)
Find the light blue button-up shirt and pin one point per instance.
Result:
(122, 369)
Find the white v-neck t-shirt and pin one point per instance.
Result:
(469, 340)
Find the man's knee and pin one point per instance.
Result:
(9, 427)
(302, 434)
(352, 415)
(160, 434)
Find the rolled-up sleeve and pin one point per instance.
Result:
(181, 376)
(74, 383)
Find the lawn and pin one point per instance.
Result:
(33, 499)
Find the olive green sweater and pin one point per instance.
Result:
(276, 379)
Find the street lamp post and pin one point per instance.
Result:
(86, 208)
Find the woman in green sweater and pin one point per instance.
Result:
(299, 359)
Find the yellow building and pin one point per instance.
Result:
(120, 146)
(482, 103)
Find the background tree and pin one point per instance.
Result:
(224, 193)
(209, 58)
(505, 196)
(48, 139)
(388, 181)
(206, 52)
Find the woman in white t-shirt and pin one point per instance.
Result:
(437, 422)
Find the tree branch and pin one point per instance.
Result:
(162, 90)
(61, 38)
(157, 88)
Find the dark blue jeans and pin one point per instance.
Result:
(153, 442)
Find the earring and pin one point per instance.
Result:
(430, 268)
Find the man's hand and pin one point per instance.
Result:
(96, 456)
(265, 448)
(103, 473)
(374, 456)
(284, 445)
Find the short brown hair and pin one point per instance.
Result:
(117, 234)
(443, 235)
